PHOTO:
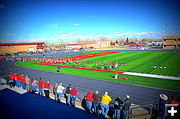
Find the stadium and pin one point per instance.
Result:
(64, 72)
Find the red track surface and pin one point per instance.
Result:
(82, 57)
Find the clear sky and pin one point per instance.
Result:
(70, 20)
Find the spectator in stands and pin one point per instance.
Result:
(15, 79)
(18, 81)
(34, 86)
(73, 96)
(68, 94)
(60, 90)
(23, 82)
(28, 82)
(55, 90)
(163, 100)
(105, 104)
(117, 107)
(96, 101)
(46, 89)
(11, 82)
(83, 103)
(173, 101)
(40, 86)
(126, 106)
(89, 98)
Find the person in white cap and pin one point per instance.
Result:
(105, 104)
(163, 100)
(60, 90)
(126, 106)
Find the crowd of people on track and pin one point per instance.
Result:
(92, 102)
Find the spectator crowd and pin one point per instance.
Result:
(92, 102)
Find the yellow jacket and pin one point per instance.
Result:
(106, 99)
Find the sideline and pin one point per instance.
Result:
(152, 75)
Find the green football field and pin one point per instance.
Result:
(167, 63)
(150, 62)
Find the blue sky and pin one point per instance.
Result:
(71, 20)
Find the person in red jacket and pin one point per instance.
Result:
(11, 82)
(73, 96)
(89, 98)
(46, 89)
(40, 86)
(18, 81)
(16, 78)
(23, 82)
(173, 101)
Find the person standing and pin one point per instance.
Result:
(55, 90)
(18, 81)
(105, 104)
(15, 79)
(46, 89)
(173, 101)
(96, 100)
(11, 82)
(28, 81)
(73, 96)
(89, 98)
(60, 90)
(58, 68)
(68, 94)
(163, 100)
(40, 86)
(126, 106)
(34, 86)
(117, 107)
(116, 75)
(23, 82)
(116, 65)
(102, 65)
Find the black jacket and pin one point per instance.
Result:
(118, 103)
(127, 104)
(68, 90)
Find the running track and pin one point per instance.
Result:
(140, 95)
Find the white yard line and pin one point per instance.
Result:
(152, 75)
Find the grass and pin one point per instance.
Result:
(134, 80)
(140, 61)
